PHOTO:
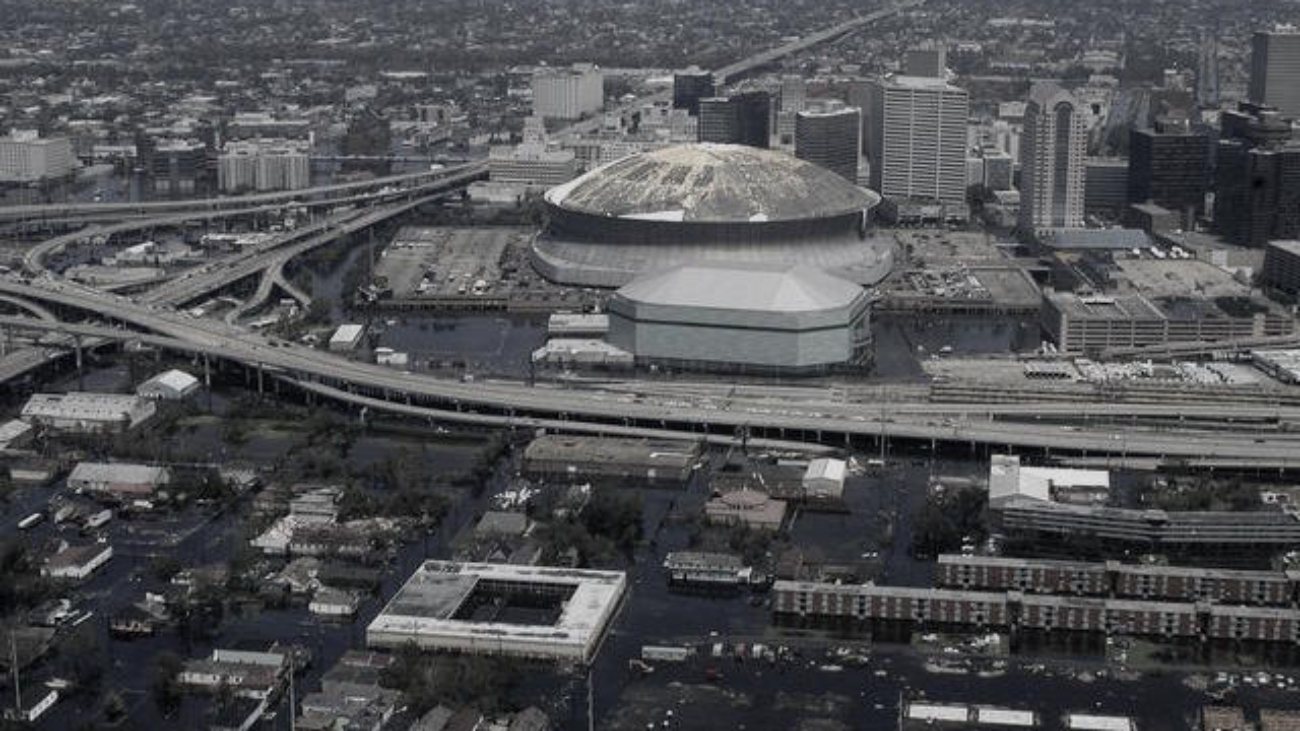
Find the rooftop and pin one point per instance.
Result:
(752, 287)
(429, 609)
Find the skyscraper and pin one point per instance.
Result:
(1052, 151)
(1168, 165)
(831, 136)
(1275, 71)
(740, 119)
(794, 93)
(917, 141)
(568, 93)
(689, 87)
(1257, 183)
(929, 60)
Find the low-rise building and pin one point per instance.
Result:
(248, 674)
(434, 610)
(119, 479)
(696, 568)
(15, 434)
(337, 603)
(1009, 480)
(750, 508)
(84, 412)
(1282, 266)
(585, 458)
(315, 505)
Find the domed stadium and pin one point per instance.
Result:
(707, 202)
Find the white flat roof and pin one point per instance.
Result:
(119, 472)
(1004, 717)
(948, 712)
(424, 609)
(347, 333)
(1008, 479)
(1090, 722)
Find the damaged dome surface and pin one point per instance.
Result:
(707, 203)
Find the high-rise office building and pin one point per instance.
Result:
(1105, 185)
(830, 135)
(1169, 165)
(568, 93)
(740, 119)
(929, 60)
(1275, 71)
(176, 167)
(1052, 151)
(1257, 180)
(689, 87)
(794, 93)
(917, 141)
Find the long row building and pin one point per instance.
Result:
(1113, 579)
(862, 605)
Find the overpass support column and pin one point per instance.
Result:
(81, 375)
(261, 389)
(207, 371)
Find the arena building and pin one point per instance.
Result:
(749, 318)
(707, 202)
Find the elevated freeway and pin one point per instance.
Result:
(824, 423)
(318, 195)
(443, 182)
(271, 258)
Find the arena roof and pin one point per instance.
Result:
(749, 287)
(708, 182)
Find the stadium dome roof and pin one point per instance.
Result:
(713, 183)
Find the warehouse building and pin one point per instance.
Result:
(707, 202)
(118, 479)
(347, 337)
(538, 612)
(88, 412)
(173, 385)
(1010, 480)
(657, 461)
(824, 478)
(750, 318)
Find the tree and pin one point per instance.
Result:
(164, 681)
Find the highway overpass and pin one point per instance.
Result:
(816, 422)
